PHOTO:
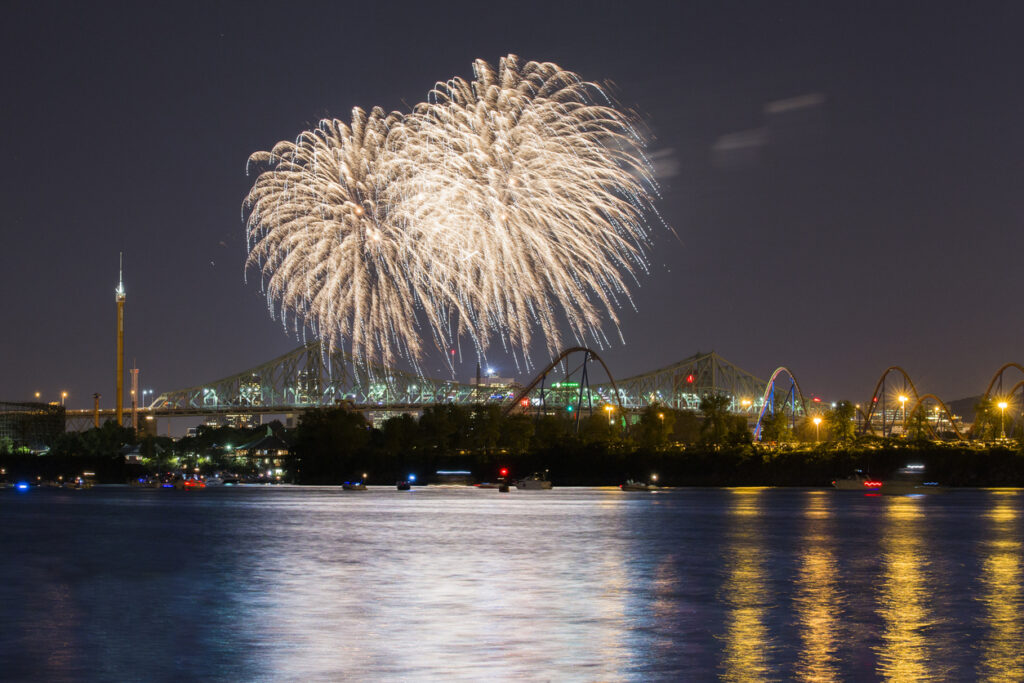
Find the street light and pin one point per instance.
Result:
(608, 409)
(817, 425)
(903, 404)
(746, 403)
(63, 395)
(1002, 419)
(37, 395)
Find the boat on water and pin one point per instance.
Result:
(907, 480)
(631, 485)
(353, 486)
(858, 481)
(534, 482)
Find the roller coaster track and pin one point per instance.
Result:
(999, 377)
(308, 377)
(949, 416)
(874, 402)
(587, 355)
(918, 401)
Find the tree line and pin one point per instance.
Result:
(711, 446)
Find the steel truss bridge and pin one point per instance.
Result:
(308, 378)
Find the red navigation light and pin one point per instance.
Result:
(871, 484)
(503, 471)
(525, 403)
(689, 379)
(874, 400)
(817, 400)
(452, 352)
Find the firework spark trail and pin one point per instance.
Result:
(500, 206)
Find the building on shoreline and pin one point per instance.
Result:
(30, 425)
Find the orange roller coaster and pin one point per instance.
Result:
(949, 416)
(587, 355)
(875, 395)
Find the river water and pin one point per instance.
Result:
(316, 584)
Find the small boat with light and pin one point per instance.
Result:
(353, 486)
(907, 480)
(631, 485)
(858, 481)
(534, 482)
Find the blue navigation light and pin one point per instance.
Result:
(21, 486)
(412, 477)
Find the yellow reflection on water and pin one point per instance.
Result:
(903, 595)
(1001, 595)
(816, 595)
(745, 592)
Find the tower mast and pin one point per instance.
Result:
(119, 296)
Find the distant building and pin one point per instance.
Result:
(268, 453)
(30, 425)
(242, 421)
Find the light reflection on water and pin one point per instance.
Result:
(747, 640)
(817, 602)
(1001, 594)
(904, 594)
(570, 584)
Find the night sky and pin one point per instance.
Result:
(844, 178)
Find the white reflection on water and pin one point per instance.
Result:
(747, 640)
(571, 584)
(817, 601)
(1001, 658)
(412, 591)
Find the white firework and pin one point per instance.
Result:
(501, 208)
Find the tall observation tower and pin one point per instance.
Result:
(119, 383)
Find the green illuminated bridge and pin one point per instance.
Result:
(577, 380)
(306, 378)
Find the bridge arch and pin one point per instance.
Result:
(768, 399)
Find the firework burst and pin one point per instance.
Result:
(501, 208)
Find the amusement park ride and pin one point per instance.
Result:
(309, 377)
(313, 377)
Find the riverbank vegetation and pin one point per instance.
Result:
(710, 447)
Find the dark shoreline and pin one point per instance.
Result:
(953, 465)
